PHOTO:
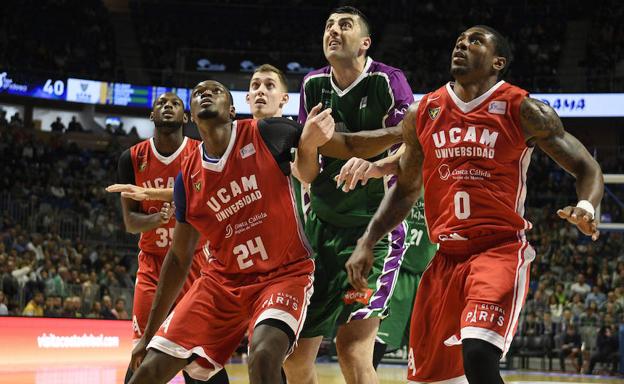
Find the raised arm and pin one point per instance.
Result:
(542, 126)
(134, 219)
(134, 192)
(318, 129)
(395, 206)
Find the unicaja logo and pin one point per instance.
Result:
(444, 171)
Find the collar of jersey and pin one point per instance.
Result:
(474, 103)
(168, 159)
(218, 166)
(343, 92)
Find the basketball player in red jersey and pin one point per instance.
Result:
(235, 190)
(470, 141)
(155, 163)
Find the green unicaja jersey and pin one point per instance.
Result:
(420, 250)
(378, 98)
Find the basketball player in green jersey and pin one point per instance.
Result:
(394, 330)
(364, 96)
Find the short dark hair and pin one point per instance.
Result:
(277, 71)
(501, 47)
(354, 11)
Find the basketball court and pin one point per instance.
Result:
(329, 373)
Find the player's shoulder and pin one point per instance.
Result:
(507, 89)
(320, 74)
(379, 67)
(140, 149)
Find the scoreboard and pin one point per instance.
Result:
(143, 96)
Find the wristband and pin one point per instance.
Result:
(586, 205)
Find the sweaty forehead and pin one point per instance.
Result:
(209, 83)
(476, 31)
(335, 17)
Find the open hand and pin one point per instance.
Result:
(129, 191)
(583, 220)
(355, 170)
(359, 266)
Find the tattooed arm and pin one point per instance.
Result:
(543, 127)
(395, 206)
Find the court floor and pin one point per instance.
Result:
(329, 373)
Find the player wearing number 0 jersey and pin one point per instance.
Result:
(473, 139)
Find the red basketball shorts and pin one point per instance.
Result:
(213, 317)
(147, 282)
(471, 290)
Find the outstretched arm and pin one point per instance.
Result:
(364, 144)
(395, 206)
(357, 169)
(542, 125)
(134, 219)
(134, 192)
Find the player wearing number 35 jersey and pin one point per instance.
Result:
(155, 163)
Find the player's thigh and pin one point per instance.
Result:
(209, 321)
(496, 287)
(382, 279)
(435, 342)
(393, 328)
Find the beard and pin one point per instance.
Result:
(168, 126)
(207, 113)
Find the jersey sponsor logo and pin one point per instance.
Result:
(253, 221)
(434, 112)
(135, 326)
(247, 150)
(486, 313)
(445, 171)
(363, 102)
(197, 185)
(142, 166)
(229, 231)
(410, 362)
(167, 322)
(352, 296)
(281, 299)
(443, 140)
(194, 174)
(222, 202)
(498, 107)
(159, 182)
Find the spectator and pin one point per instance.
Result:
(570, 348)
(560, 294)
(4, 310)
(120, 310)
(74, 125)
(580, 287)
(556, 308)
(96, 311)
(607, 346)
(550, 328)
(107, 306)
(590, 317)
(595, 296)
(34, 306)
(577, 306)
(57, 126)
(531, 326)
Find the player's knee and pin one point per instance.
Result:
(263, 358)
(147, 373)
(350, 352)
(481, 361)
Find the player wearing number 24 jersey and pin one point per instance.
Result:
(235, 190)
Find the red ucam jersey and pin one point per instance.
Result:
(476, 160)
(243, 205)
(153, 170)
